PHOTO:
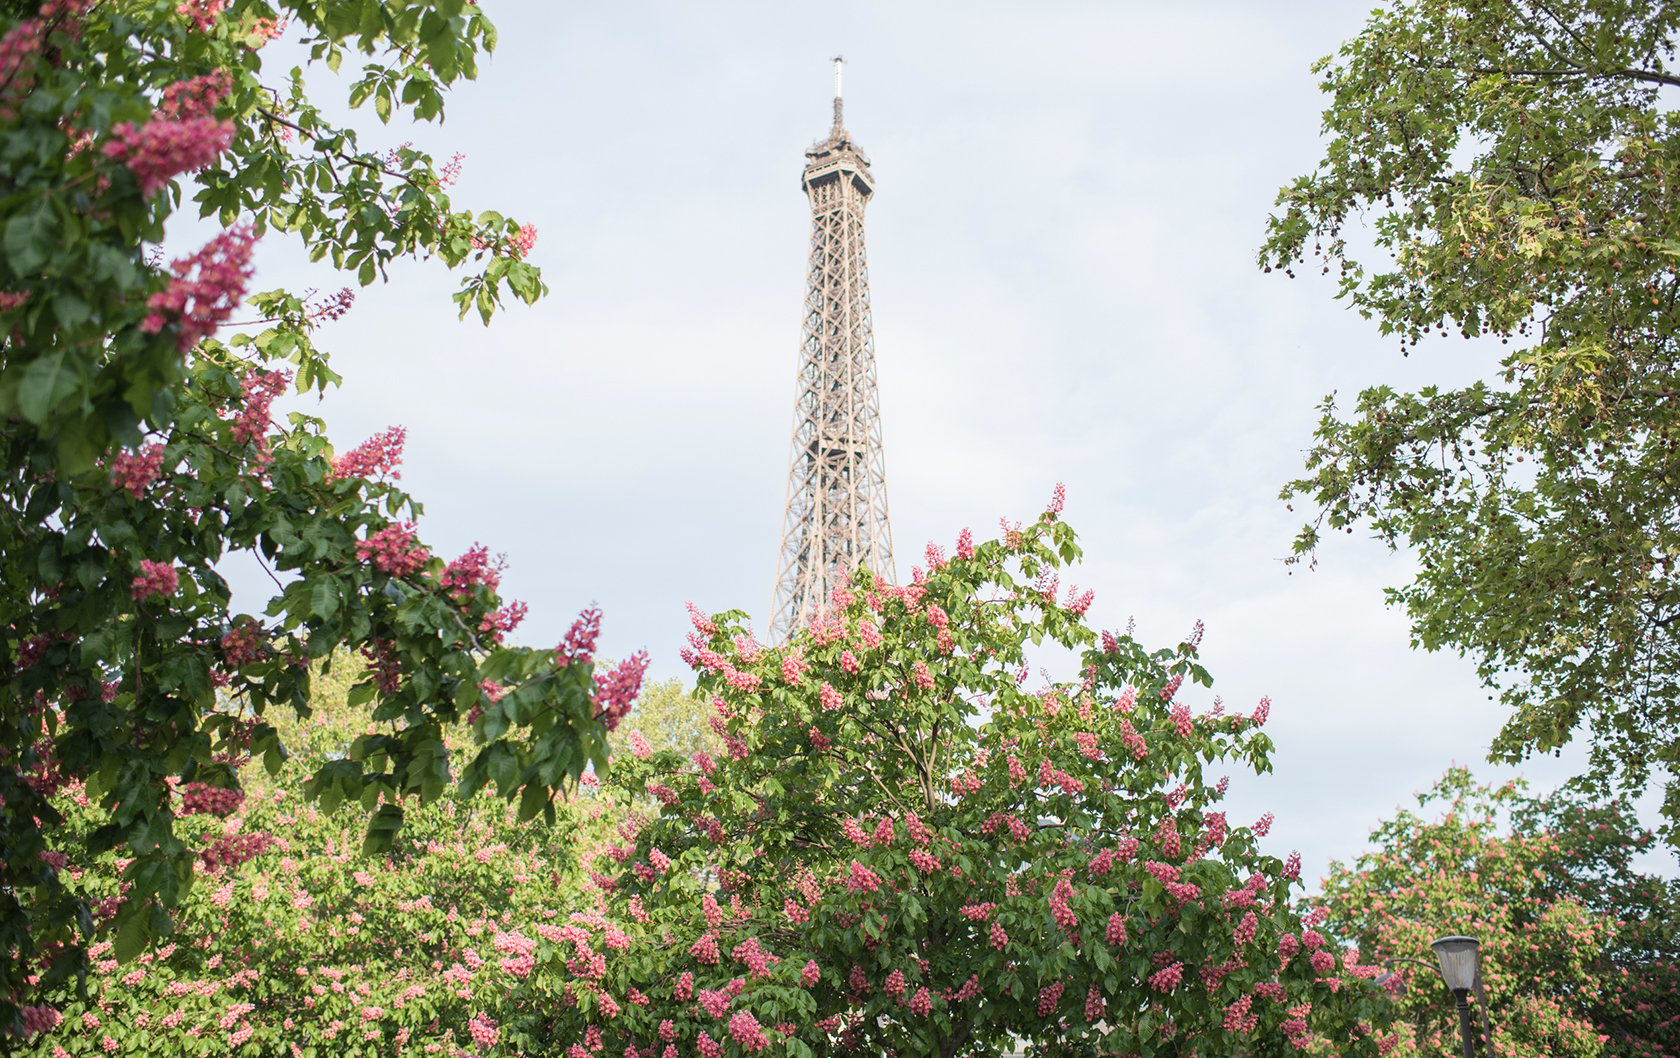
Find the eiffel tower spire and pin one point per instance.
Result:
(836, 516)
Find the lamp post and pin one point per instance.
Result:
(1460, 969)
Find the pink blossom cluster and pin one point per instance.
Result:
(258, 390)
(1133, 741)
(394, 550)
(793, 667)
(1049, 998)
(616, 691)
(377, 457)
(197, 97)
(1116, 931)
(498, 623)
(522, 243)
(18, 50)
(578, 646)
(134, 471)
(38, 1019)
(205, 289)
(1060, 896)
(1167, 978)
(1238, 1017)
(161, 149)
(335, 305)
(484, 1031)
(233, 849)
(861, 879)
(156, 578)
(198, 797)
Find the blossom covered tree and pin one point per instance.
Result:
(905, 846)
(311, 943)
(141, 451)
(1578, 949)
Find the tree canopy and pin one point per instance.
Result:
(904, 846)
(139, 451)
(1516, 164)
(1579, 949)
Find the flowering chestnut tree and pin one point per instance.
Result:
(909, 846)
(303, 944)
(141, 450)
(1578, 950)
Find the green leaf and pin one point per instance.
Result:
(46, 381)
(30, 237)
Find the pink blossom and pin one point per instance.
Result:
(379, 456)
(1116, 932)
(156, 578)
(862, 879)
(136, 470)
(202, 13)
(811, 974)
(205, 289)
(1058, 497)
(616, 691)
(1048, 999)
(394, 550)
(965, 544)
(38, 1019)
(483, 1030)
(521, 244)
(161, 149)
(1238, 1018)
(793, 668)
(829, 698)
(706, 949)
(258, 388)
(578, 646)
(1167, 978)
(195, 98)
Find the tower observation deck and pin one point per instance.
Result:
(836, 513)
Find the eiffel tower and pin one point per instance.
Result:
(836, 515)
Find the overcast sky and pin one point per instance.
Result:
(1062, 257)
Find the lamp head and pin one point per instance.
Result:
(1459, 961)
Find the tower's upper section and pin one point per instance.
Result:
(837, 159)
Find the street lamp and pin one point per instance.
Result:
(1461, 970)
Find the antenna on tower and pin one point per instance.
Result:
(839, 60)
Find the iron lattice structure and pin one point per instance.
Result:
(836, 514)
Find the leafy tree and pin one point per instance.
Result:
(1579, 954)
(903, 849)
(1515, 163)
(294, 937)
(674, 716)
(139, 451)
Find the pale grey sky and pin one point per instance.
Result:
(1062, 246)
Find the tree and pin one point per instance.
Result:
(902, 848)
(1515, 162)
(139, 452)
(294, 935)
(1579, 953)
(673, 716)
